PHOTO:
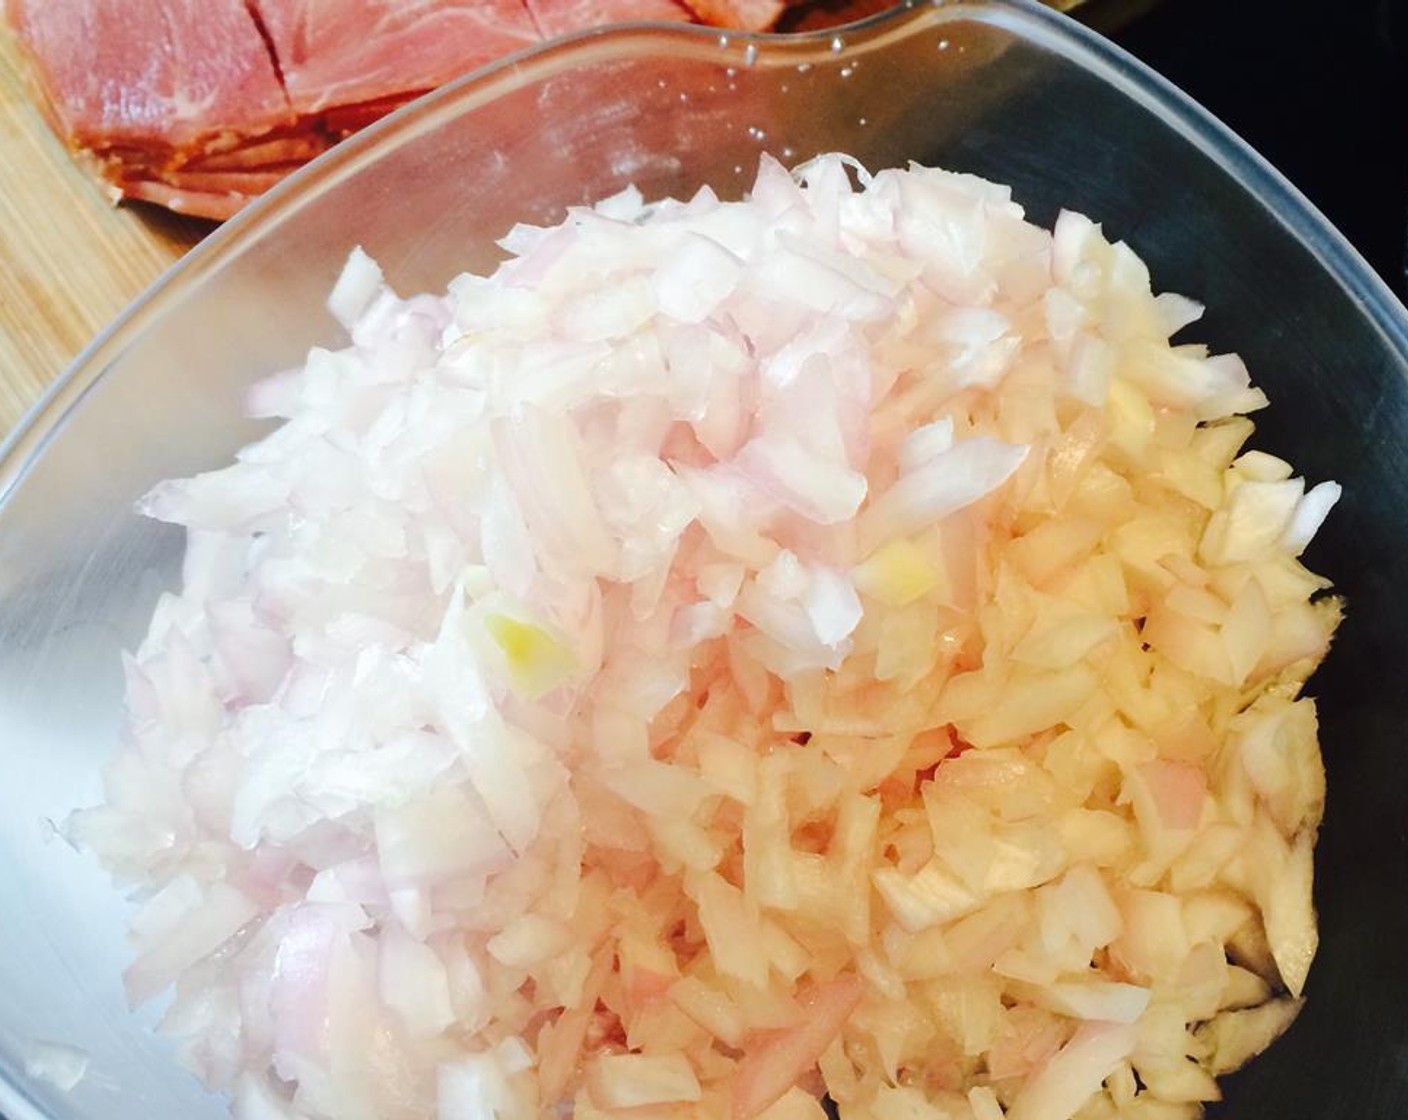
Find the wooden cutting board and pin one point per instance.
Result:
(70, 261)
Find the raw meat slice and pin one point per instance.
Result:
(225, 182)
(343, 120)
(196, 203)
(342, 52)
(290, 149)
(561, 17)
(746, 15)
(175, 75)
(201, 105)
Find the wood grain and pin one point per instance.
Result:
(70, 261)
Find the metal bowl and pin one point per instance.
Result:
(1003, 88)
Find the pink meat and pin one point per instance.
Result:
(342, 120)
(171, 75)
(343, 52)
(283, 150)
(746, 15)
(201, 105)
(561, 17)
(215, 205)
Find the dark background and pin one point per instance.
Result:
(1318, 88)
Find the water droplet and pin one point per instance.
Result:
(803, 67)
(684, 96)
(847, 71)
(788, 153)
(723, 42)
(737, 169)
(863, 122)
(837, 45)
(786, 88)
(943, 44)
(730, 72)
(750, 55)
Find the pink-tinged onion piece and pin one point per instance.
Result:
(773, 1064)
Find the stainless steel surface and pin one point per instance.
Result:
(1001, 88)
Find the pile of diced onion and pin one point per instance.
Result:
(738, 653)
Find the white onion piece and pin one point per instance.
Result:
(824, 492)
(1310, 514)
(948, 482)
(485, 1085)
(700, 276)
(636, 1080)
(413, 983)
(1074, 1073)
(1238, 1036)
(359, 282)
(180, 926)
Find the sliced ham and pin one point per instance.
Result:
(343, 120)
(747, 15)
(142, 90)
(346, 52)
(201, 105)
(218, 205)
(562, 17)
(171, 76)
(294, 149)
(224, 182)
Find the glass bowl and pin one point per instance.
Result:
(999, 87)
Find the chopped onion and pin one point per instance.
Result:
(736, 652)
